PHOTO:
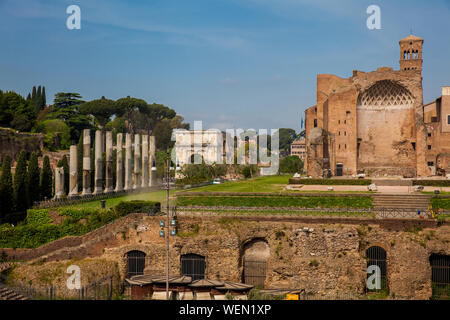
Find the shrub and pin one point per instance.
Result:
(439, 203)
(291, 164)
(331, 182)
(76, 214)
(137, 206)
(432, 183)
(6, 188)
(38, 217)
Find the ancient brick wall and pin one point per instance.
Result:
(322, 256)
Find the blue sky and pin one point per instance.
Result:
(229, 63)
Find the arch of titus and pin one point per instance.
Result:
(139, 173)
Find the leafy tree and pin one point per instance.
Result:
(102, 109)
(130, 109)
(249, 171)
(6, 188)
(57, 134)
(163, 135)
(24, 117)
(65, 108)
(9, 103)
(291, 164)
(33, 178)
(46, 183)
(286, 136)
(67, 101)
(20, 183)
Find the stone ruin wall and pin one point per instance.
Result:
(322, 256)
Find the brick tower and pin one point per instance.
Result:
(411, 53)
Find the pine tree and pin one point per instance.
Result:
(33, 179)
(46, 183)
(6, 189)
(20, 183)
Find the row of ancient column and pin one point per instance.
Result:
(141, 176)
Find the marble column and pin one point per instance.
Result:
(86, 162)
(119, 163)
(137, 162)
(59, 183)
(98, 162)
(128, 162)
(73, 177)
(151, 161)
(145, 154)
(109, 163)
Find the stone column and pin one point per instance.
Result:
(151, 160)
(145, 154)
(128, 161)
(86, 162)
(109, 164)
(59, 183)
(73, 177)
(119, 163)
(98, 162)
(137, 161)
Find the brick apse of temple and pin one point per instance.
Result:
(375, 123)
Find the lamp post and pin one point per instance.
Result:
(167, 232)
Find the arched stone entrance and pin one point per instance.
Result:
(255, 257)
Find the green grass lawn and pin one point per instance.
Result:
(260, 184)
(151, 196)
(441, 203)
(262, 201)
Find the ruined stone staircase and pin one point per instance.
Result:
(411, 202)
(9, 294)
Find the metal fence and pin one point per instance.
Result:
(193, 265)
(87, 198)
(136, 263)
(376, 256)
(440, 276)
(104, 289)
(374, 213)
(255, 272)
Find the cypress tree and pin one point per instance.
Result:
(80, 164)
(46, 183)
(29, 97)
(44, 98)
(6, 188)
(33, 95)
(20, 183)
(39, 93)
(33, 179)
(65, 164)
